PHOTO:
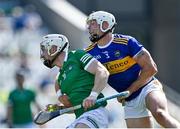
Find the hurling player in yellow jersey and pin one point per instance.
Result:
(80, 81)
(131, 68)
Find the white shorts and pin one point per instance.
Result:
(136, 108)
(97, 118)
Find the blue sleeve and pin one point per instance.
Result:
(134, 46)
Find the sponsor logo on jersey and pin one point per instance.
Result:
(97, 57)
(120, 65)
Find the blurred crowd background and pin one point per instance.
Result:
(155, 23)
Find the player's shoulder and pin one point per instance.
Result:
(80, 55)
(77, 53)
(29, 91)
(90, 47)
(121, 39)
(12, 92)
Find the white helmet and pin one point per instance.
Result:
(58, 40)
(100, 17)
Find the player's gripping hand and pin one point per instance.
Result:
(64, 99)
(121, 99)
(90, 100)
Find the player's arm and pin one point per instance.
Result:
(148, 69)
(93, 66)
(100, 82)
(9, 114)
(38, 107)
(34, 101)
(101, 75)
(63, 98)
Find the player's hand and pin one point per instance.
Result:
(64, 99)
(89, 102)
(121, 99)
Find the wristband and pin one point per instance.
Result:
(59, 93)
(94, 94)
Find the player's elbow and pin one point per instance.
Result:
(104, 73)
(153, 70)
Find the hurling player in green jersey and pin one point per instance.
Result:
(80, 81)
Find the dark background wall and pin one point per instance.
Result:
(165, 40)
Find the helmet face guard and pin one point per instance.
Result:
(95, 37)
(100, 17)
(48, 63)
(60, 42)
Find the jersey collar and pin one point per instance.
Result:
(66, 56)
(105, 46)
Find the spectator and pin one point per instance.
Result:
(19, 113)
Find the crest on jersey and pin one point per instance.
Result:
(117, 53)
(70, 67)
(64, 76)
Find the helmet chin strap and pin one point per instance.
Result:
(49, 63)
(95, 37)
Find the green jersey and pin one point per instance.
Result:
(75, 81)
(20, 101)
